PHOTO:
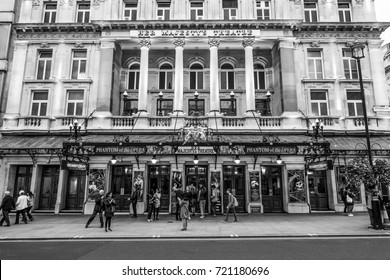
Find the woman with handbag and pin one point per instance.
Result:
(350, 197)
(109, 209)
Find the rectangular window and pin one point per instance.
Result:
(261, 106)
(163, 11)
(196, 108)
(354, 103)
(263, 9)
(131, 107)
(315, 64)
(79, 64)
(44, 64)
(230, 8)
(75, 103)
(319, 103)
(83, 12)
(196, 10)
(228, 107)
(39, 103)
(130, 12)
(310, 11)
(50, 12)
(344, 11)
(164, 107)
(350, 65)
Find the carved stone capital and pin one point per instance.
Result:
(214, 42)
(36, 2)
(79, 45)
(315, 44)
(248, 42)
(179, 42)
(44, 46)
(145, 43)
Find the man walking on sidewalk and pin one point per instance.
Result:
(232, 203)
(21, 205)
(99, 197)
(6, 205)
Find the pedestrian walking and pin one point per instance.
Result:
(369, 208)
(202, 197)
(7, 205)
(214, 199)
(343, 193)
(232, 203)
(109, 210)
(150, 198)
(350, 198)
(30, 205)
(21, 206)
(178, 193)
(194, 199)
(184, 201)
(157, 203)
(98, 209)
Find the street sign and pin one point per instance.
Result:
(321, 165)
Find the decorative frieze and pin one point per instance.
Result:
(56, 36)
(337, 34)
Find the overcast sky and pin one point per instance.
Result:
(383, 14)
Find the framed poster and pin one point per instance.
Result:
(139, 183)
(254, 179)
(177, 183)
(296, 186)
(96, 182)
(216, 182)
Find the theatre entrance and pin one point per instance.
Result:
(318, 189)
(195, 176)
(75, 190)
(234, 178)
(271, 189)
(159, 178)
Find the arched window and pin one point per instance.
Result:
(134, 76)
(196, 76)
(166, 76)
(227, 76)
(259, 72)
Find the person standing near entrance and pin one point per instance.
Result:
(350, 197)
(109, 210)
(7, 205)
(21, 206)
(194, 199)
(184, 202)
(150, 198)
(99, 197)
(202, 197)
(214, 199)
(30, 205)
(157, 203)
(178, 193)
(135, 194)
(232, 203)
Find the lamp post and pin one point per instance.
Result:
(76, 129)
(317, 128)
(268, 112)
(232, 102)
(358, 53)
(160, 100)
(196, 97)
(125, 96)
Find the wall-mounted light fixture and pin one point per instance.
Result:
(113, 160)
(263, 170)
(154, 159)
(278, 160)
(237, 159)
(196, 160)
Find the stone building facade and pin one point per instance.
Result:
(221, 93)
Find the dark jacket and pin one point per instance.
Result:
(8, 203)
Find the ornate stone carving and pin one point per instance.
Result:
(214, 42)
(97, 2)
(179, 42)
(337, 34)
(79, 45)
(328, 1)
(66, 2)
(359, 2)
(297, 2)
(315, 44)
(44, 46)
(145, 43)
(36, 2)
(248, 42)
(58, 36)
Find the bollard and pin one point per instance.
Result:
(376, 213)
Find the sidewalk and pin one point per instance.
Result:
(264, 225)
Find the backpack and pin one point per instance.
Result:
(235, 202)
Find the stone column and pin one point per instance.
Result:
(16, 83)
(249, 78)
(288, 81)
(178, 101)
(61, 58)
(143, 79)
(104, 94)
(214, 84)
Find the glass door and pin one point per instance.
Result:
(49, 187)
(234, 178)
(271, 189)
(196, 175)
(318, 190)
(75, 190)
(159, 178)
(122, 178)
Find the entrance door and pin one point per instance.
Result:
(23, 179)
(318, 190)
(75, 190)
(233, 178)
(159, 178)
(196, 175)
(271, 189)
(49, 187)
(121, 184)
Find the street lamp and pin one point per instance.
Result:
(358, 53)
(196, 97)
(317, 128)
(232, 102)
(268, 112)
(160, 100)
(76, 129)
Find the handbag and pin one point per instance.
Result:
(349, 199)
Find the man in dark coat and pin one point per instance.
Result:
(7, 205)
(98, 196)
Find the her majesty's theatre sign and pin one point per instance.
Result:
(195, 33)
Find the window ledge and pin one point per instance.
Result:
(318, 80)
(354, 80)
(88, 80)
(50, 81)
